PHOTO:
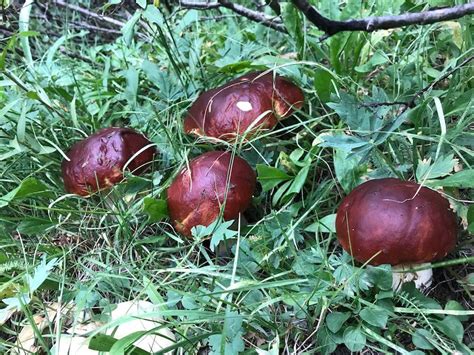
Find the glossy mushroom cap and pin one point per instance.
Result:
(198, 193)
(406, 223)
(249, 103)
(97, 162)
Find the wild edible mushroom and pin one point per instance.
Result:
(390, 221)
(252, 102)
(212, 181)
(98, 161)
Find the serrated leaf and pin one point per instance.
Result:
(230, 341)
(269, 177)
(348, 169)
(218, 229)
(463, 179)
(440, 167)
(155, 209)
(40, 274)
(377, 59)
(335, 320)
(326, 224)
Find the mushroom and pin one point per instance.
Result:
(401, 223)
(98, 161)
(212, 181)
(242, 106)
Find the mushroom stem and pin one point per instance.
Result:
(403, 273)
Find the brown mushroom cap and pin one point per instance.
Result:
(199, 191)
(97, 162)
(406, 223)
(251, 102)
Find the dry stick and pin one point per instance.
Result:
(369, 24)
(89, 13)
(253, 15)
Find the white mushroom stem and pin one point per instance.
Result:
(402, 274)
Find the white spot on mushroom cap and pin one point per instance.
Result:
(244, 106)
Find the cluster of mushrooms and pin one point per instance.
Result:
(382, 221)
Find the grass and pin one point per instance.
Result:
(283, 285)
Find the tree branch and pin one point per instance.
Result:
(89, 13)
(253, 15)
(369, 24)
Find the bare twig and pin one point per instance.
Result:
(90, 13)
(253, 15)
(369, 24)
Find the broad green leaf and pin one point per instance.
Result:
(219, 230)
(132, 85)
(299, 181)
(269, 177)
(463, 179)
(28, 188)
(354, 339)
(375, 316)
(377, 59)
(470, 219)
(456, 306)
(155, 209)
(103, 342)
(33, 225)
(128, 30)
(324, 84)
(452, 327)
(335, 320)
(380, 276)
(421, 339)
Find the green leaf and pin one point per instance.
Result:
(380, 276)
(463, 179)
(470, 219)
(421, 339)
(128, 29)
(456, 306)
(132, 85)
(231, 339)
(155, 209)
(326, 224)
(349, 171)
(324, 84)
(270, 177)
(33, 225)
(375, 316)
(354, 339)
(103, 342)
(29, 187)
(218, 229)
(40, 274)
(335, 320)
(377, 59)
(452, 327)
(440, 167)
(298, 182)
